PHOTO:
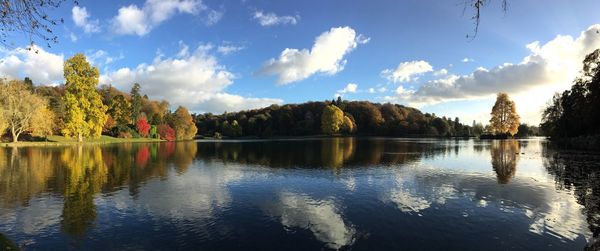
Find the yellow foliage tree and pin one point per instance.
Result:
(504, 116)
(3, 124)
(42, 122)
(20, 109)
(348, 126)
(184, 125)
(85, 113)
(332, 119)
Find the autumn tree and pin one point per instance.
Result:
(142, 126)
(42, 122)
(85, 113)
(348, 126)
(332, 119)
(3, 124)
(20, 108)
(166, 132)
(505, 119)
(120, 110)
(183, 124)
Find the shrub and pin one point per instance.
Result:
(154, 132)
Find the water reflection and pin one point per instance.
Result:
(579, 172)
(338, 193)
(505, 155)
(78, 174)
(321, 217)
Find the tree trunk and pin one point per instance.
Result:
(79, 138)
(15, 136)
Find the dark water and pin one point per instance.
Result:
(359, 194)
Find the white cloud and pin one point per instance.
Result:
(350, 88)
(406, 71)
(213, 17)
(101, 58)
(192, 79)
(467, 60)
(326, 56)
(73, 37)
(42, 67)
(549, 68)
(80, 17)
(140, 21)
(228, 48)
(270, 19)
(131, 20)
(371, 90)
(441, 72)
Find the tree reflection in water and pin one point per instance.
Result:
(505, 155)
(579, 172)
(79, 173)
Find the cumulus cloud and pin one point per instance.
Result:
(407, 71)
(467, 60)
(140, 21)
(549, 67)
(271, 19)
(81, 18)
(192, 79)
(350, 88)
(42, 67)
(326, 56)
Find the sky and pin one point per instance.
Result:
(231, 55)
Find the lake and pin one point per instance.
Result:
(308, 194)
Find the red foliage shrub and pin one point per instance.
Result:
(166, 132)
(142, 127)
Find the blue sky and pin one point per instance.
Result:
(221, 56)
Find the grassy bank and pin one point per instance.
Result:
(62, 141)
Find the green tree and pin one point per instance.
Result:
(85, 113)
(505, 119)
(136, 101)
(19, 107)
(332, 119)
(183, 124)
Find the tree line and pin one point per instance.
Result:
(575, 112)
(335, 117)
(79, 109)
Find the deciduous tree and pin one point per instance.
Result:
(19, 107)
(84, 114)
(183, 123)
(142, 126)
(332, 119)
(505, 119)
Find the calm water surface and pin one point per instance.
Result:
(342, 193)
